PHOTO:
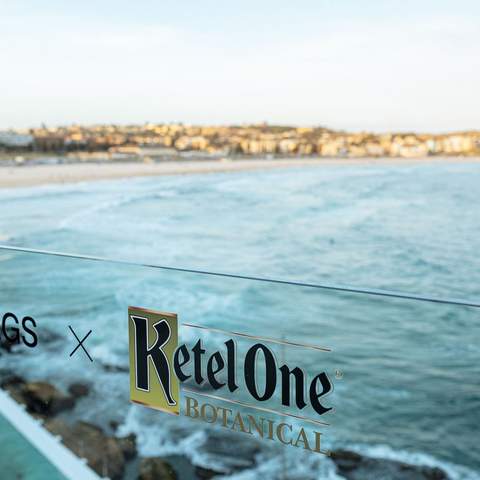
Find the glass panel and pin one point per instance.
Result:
(387, 387)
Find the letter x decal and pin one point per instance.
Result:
(80, 343)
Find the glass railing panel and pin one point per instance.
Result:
(293, 381)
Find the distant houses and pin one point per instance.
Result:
(247, 140)
(13, 140)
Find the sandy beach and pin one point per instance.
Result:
(31, 175)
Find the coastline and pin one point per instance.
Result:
(34, 175)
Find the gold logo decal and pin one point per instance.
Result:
(153, 339)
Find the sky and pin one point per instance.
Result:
(345, 64)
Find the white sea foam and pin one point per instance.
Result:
(156, 439)
(75, 220)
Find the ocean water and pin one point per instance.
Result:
(411, 386)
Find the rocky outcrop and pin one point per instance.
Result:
(45, 399)
(112, 368)
(128, 445)
(78, 390)
(156, 468)
(218, 447)
(105, 454)
(203, 473)
(5, 345)
(353, 466)
(14, 384)
(40, 398)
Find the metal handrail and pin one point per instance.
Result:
(336, 287)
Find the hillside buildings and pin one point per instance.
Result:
(245, 140)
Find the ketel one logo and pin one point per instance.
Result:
(158, 365)
(153, 339)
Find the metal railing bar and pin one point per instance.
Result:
(335, 287)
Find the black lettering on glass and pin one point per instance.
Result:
(299, 386)
(198, 351)
(7, 331)
(251, 372)
(314, 395)
(155, 353)
(212, 371)
(177, 364)
(34, 339)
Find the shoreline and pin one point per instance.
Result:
(35, 175)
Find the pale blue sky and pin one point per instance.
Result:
(353, 64)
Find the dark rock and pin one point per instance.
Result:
(354, 466)
(11, 380)
(14, 384)
(205, 473)
(45, 399)
(218, 446)
(128, 445)
(346, 460)
(78, 390)
(114, 424)
(108, 367)
(155, 468)
(182, 466)
(46, 337)
(40, 398)
(106, 455)
(5, 344)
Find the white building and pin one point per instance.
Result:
(15, 140)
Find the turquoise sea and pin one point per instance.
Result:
(411, 370)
